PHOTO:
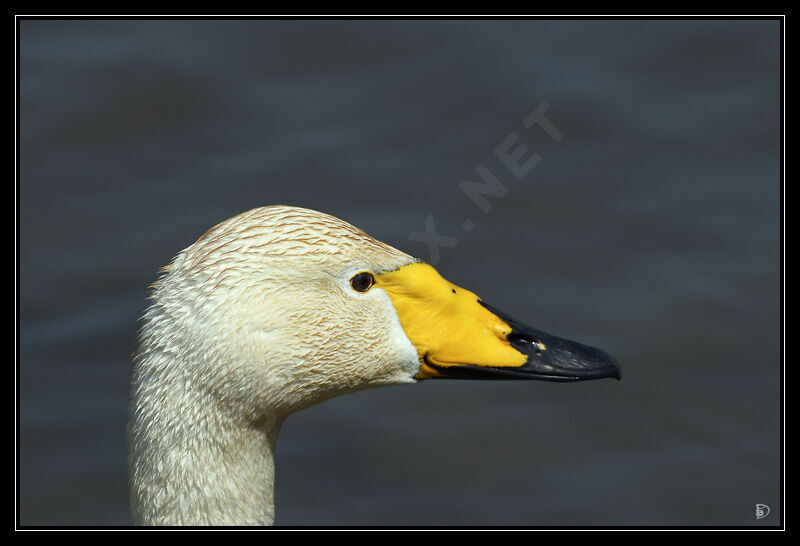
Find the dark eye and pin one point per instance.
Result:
(362, 282)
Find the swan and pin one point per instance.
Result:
(280, 308)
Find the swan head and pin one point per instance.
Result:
(280, 308)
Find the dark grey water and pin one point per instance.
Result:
(650, 229)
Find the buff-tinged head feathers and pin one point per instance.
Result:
(262, 312)
(303, 236)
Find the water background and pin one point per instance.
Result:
(652, 230)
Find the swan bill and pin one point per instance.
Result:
(458, 336)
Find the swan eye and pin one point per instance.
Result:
(362, 282)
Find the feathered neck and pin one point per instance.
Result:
(192, 460)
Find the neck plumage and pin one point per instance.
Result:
(191, 462)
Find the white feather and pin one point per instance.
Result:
(254, 321)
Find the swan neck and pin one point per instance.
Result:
(195, 462)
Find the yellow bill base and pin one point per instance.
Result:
(446, 323)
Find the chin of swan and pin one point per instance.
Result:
(280, 308)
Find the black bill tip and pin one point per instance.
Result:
(556, 359)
